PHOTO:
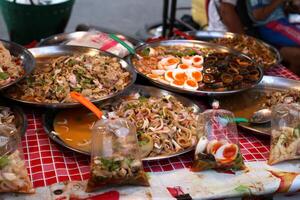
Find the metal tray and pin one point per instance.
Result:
(210, 35)
(63, 38)
(28, 61)
(250, 101)
(49, 116)
(20, 117)
(42, 53)
(199, 44)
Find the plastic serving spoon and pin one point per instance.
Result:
(129, 48)
(84, 101)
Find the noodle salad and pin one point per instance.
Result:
(164, 125)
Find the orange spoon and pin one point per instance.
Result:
(84, 101)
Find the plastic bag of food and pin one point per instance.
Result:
(285, 134)
(115, 156)
(102, 41)
(13, 172)
(218, 146)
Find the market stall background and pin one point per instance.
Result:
(127, 19)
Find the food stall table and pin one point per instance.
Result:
(49, 163)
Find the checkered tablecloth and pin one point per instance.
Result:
(50, 163)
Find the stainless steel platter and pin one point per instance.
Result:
(27, 60)
(43, 53)
(244, 104)
(198, 44)
(210, 35)
(147, 91)
(63, 38)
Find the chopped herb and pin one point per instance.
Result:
(3, 161)
(143, 99)
(3, 76)
(110, 165)
(139, 133)
(146, 51)
(243, 189)
(143, 142)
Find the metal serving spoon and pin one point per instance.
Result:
(262, 116)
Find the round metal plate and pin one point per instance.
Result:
(42, 53)
(27, 60)
(210, 35)
(198, 44)
(63, 38)
(147, 91)
(20, 116)
(268, 83)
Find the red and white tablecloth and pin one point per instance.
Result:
(49, 163)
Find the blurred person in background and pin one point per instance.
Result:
(274, 27)
(223, 16)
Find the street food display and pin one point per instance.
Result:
(116, 157)
(195, 68)
(218, 146)
(13, 173)
(140, 124)
(285, 135)
(165, 125)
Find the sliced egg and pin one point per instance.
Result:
(180, 75)
(197, 60)
(226, 153)
(169, 75)
(168, 63)
(191, 84)
(197, 67)
(159, 72)
(177, 83)
(183, 66)
(213, 146)
(201, 146)
(195, 74)
(188, 60)
(153, 76)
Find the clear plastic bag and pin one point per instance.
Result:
(218, 146)
(102, 41)
(13, 172)
(116, 156)
(285, 134)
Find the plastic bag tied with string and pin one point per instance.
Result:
(218, 146)
(116, 158)
(13, 172)
(285, 133)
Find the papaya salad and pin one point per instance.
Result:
(94, 77)
(10, 67)
(164, 125)
(192, 68)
